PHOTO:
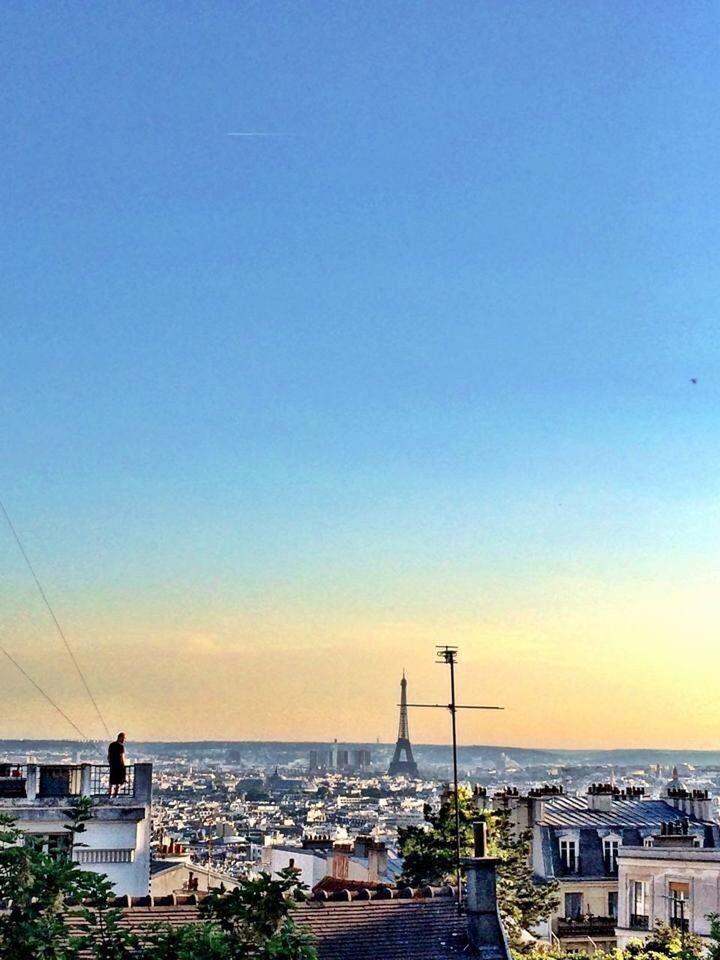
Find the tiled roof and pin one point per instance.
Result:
(567, 811)
(630, 820)
(428, 929)
(357, 925)
(331, 885)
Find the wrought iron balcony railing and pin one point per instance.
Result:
(587, 927)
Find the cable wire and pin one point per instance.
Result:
(56, 622)
(49, 699)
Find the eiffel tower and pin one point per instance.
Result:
(402, 761)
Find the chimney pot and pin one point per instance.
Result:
(480, 838)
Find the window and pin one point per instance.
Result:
(678, 903)
(610, 852)
(53, 844)
(639, 919)
(613, 904)
(648, 842)
(568, 854)
(573, 906)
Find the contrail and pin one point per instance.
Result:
(257, 133)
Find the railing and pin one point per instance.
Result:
(13, 780)
(104, 856)
(100, 782)
(59, 781)
(586, 927)
(680, 923)
(639, 921)
(65, 781)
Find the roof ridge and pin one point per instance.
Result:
(382, 892)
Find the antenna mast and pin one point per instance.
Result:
(448, 655)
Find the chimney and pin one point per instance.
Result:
(323, 842)
(703, 805)
(484, 926)
(537, 800)
(600, 796)
(674, 834)
(377, 861)
(480, 796)
(362, 846)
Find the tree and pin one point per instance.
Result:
(665, 942)
(59, 912)
(38, 886)
(429, 851)
(429, 855)
(523, 899)
(34, 886)
(256, 917)
(713, 951)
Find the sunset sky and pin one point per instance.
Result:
(280, 413)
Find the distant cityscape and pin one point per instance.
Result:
(195, 815)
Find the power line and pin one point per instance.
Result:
(55, 621)
(49, 699)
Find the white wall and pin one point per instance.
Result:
(698, 868)
(312, 867)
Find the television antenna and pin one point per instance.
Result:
(448, 655)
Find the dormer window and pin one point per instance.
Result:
(610, 853)
(569, 854)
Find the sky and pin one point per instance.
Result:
(413, 364)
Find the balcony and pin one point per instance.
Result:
(680, 923)
(639, 921)
(13, 780)
(603, 927)
(23, 785)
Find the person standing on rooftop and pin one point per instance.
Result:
(116, 761)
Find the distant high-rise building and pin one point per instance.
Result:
(360, 759)
(321, 760)
(339, 759)
(403, 761)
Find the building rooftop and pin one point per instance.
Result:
(567, 811)
(33, 785)
(349, 925)
(692, 854)
(426, 929)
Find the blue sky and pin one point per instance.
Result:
(426, 349)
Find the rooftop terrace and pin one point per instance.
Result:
(48, 785)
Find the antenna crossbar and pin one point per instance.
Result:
(450, 706)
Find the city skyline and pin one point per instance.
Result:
(433, 360)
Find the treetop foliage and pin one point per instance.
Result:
(56, 911)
